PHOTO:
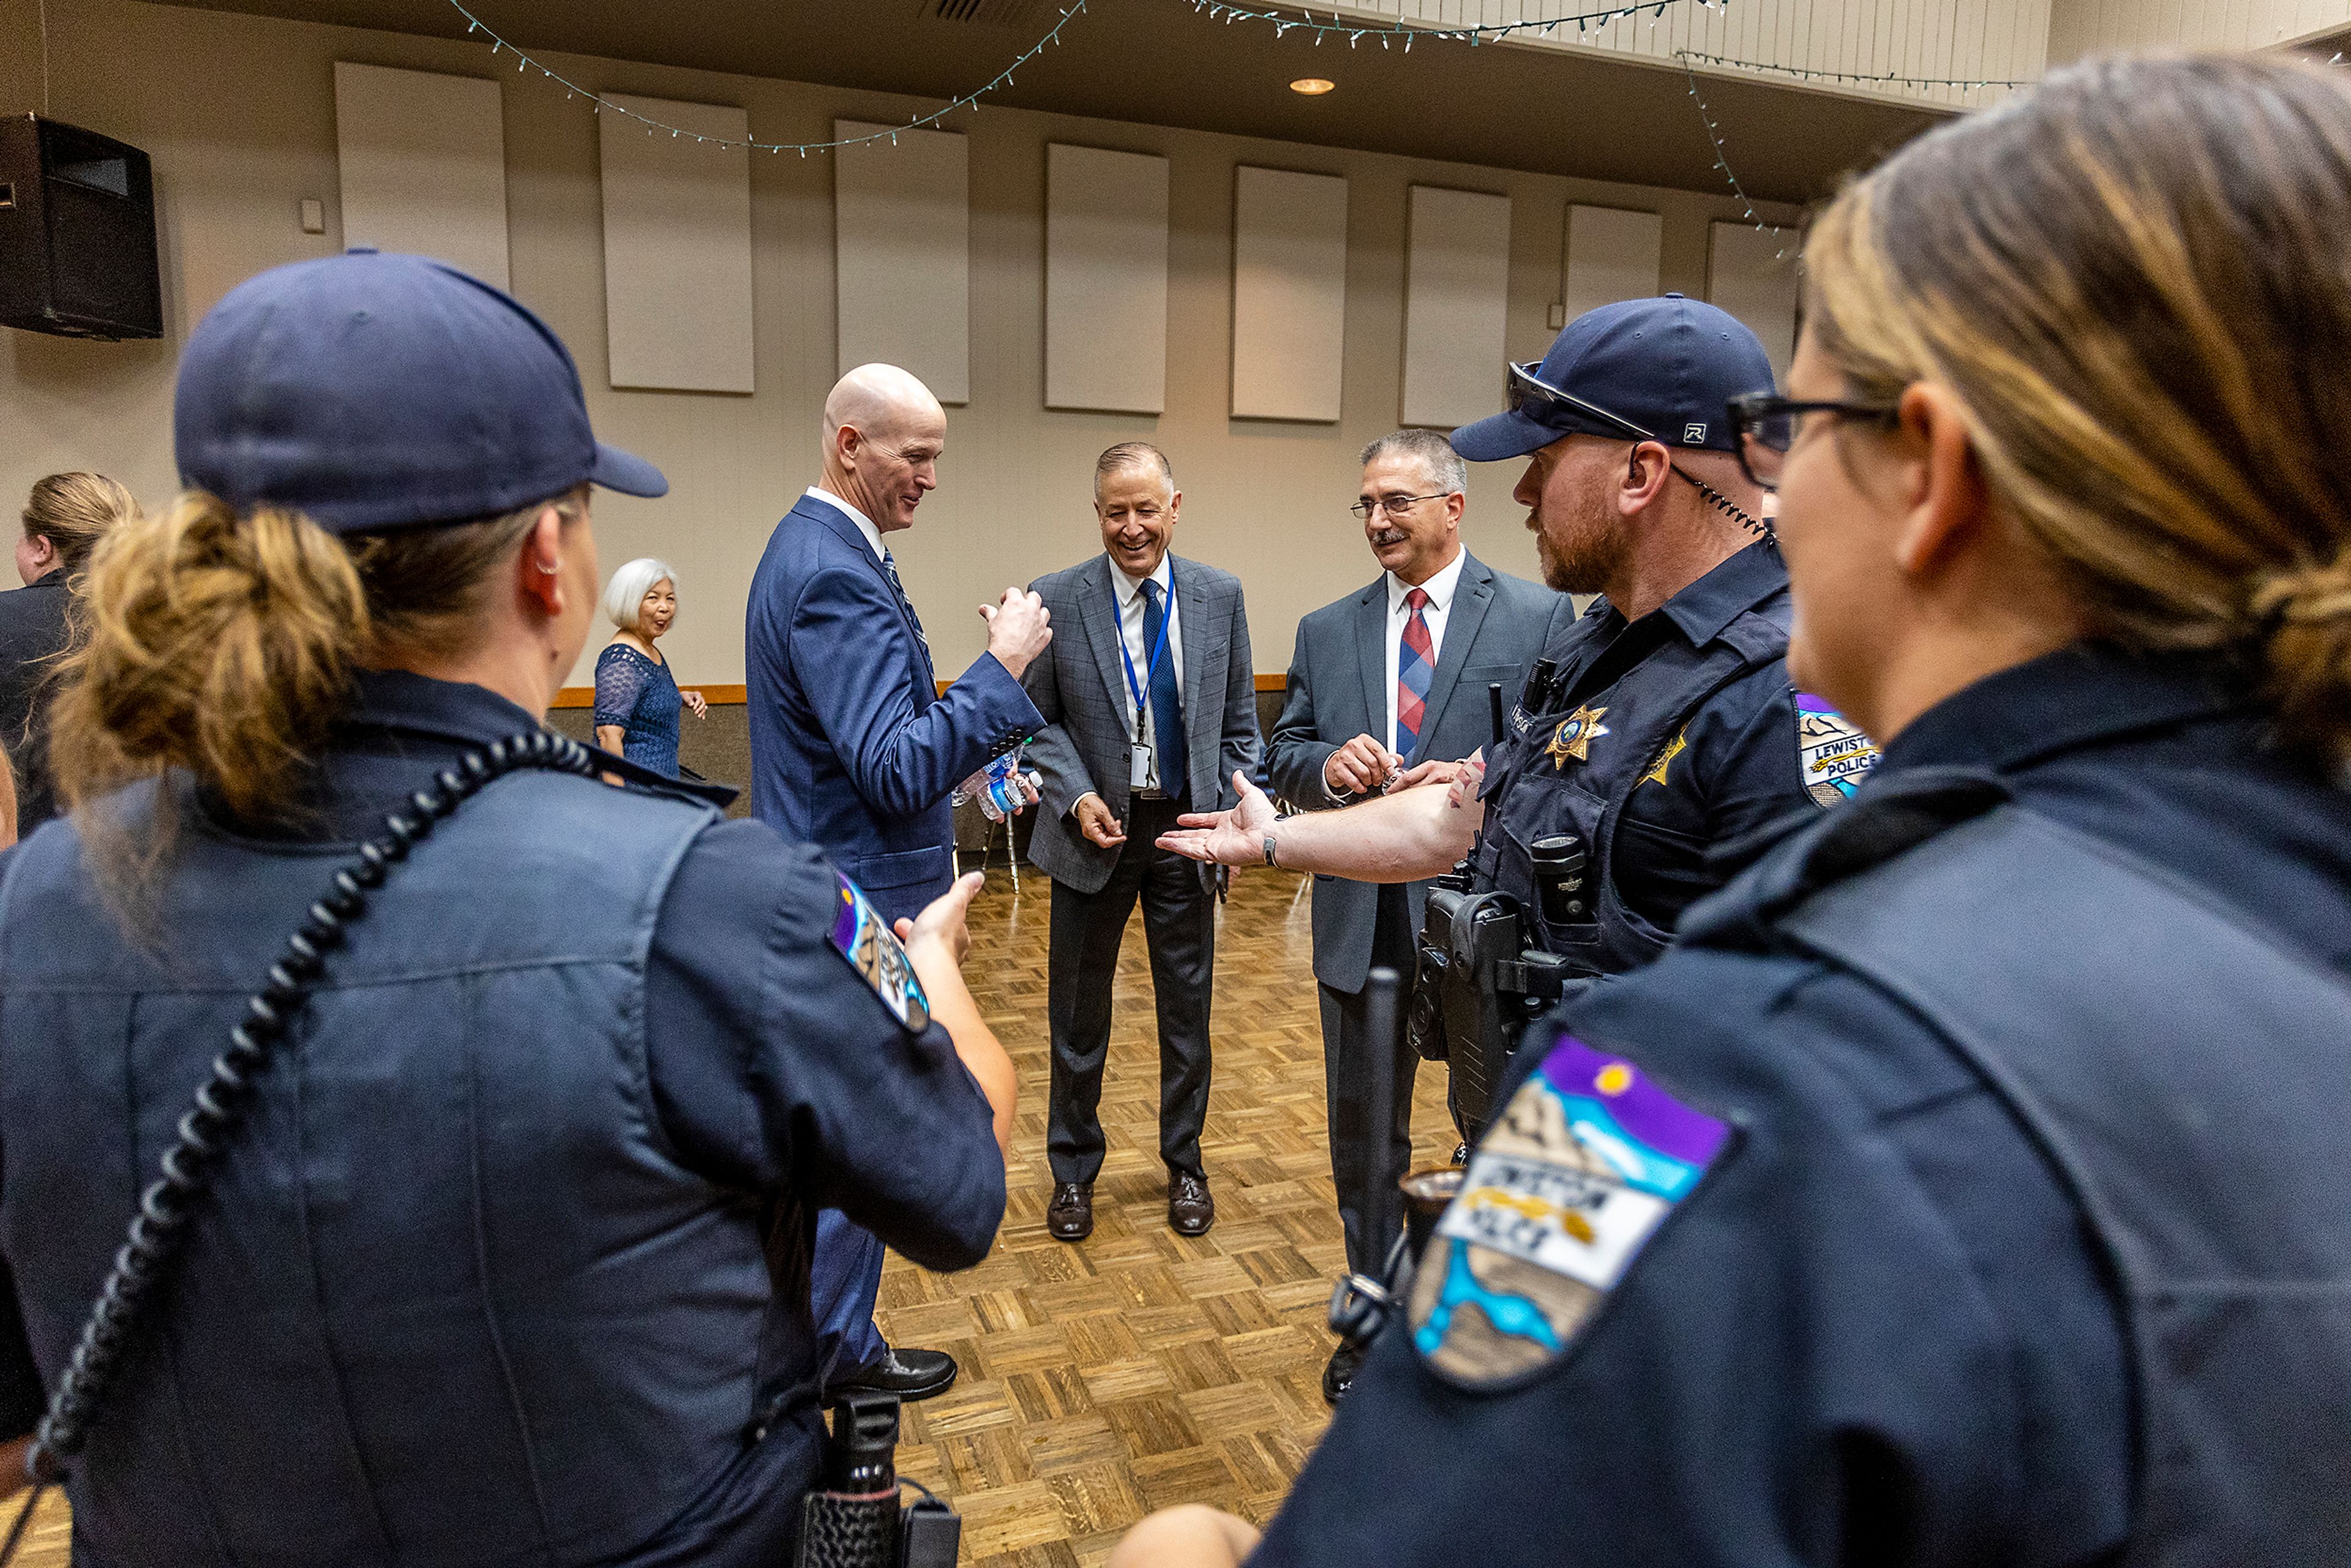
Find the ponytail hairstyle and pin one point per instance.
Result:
(2132, 278)
(73, 512)
(222, 646)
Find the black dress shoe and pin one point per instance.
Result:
(1070, 1215)
(1340, 1374)
(1190, 1209)
(908, 1373)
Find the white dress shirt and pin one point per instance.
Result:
(1130, 631)
(1440, 589)
(865, 524)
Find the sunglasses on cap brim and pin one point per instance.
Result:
(1538, 400)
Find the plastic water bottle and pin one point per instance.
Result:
(997, 787)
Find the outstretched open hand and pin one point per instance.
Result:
(1225, 837)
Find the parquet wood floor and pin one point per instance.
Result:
(1141, 1368)
(1138, 1368)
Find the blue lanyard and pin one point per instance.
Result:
(1142, 703)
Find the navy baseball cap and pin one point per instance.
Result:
(1641, 370)
(376, 391)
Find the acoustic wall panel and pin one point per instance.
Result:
(1105, 281)
(1611, 256)
(902, 253)
(1457, 304)
(1290, 293)
(424, 165)
(677, 247)
(1752, 273)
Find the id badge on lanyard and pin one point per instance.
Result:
(1138, 765)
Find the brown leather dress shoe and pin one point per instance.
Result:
(1190, 1209)
(1070, 1215)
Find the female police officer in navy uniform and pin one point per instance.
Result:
(504, 1259)
(1968, 1187)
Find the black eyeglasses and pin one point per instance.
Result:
(1764, 425)
(1530, 394)
(1395, 505)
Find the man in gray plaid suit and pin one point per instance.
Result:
(1150, 704)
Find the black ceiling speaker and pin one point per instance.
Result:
(77, 233)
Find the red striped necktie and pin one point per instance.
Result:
(1416, 663)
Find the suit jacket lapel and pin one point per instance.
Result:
(1473, 594)
(1372, 657)
(1098, 608)
(1192, 630)
(837, 522)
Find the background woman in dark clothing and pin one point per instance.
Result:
(64, 520)
(637, 698)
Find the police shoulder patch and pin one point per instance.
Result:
(860, 935)
(1586, 1162)
(1830, 751)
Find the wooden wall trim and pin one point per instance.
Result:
(585, 696)
(719, 696)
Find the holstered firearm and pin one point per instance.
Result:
(1425, 1026)
(1489, 986)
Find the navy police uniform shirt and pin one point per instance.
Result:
(1853, 1316)
(778, 1072)
(1669, 742)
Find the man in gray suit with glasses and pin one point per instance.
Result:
(1387, 686)
(1150, 705)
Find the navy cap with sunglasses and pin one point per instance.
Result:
(1642, 369)
(378, 391)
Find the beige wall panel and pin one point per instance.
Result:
(1290, 294)
(2079, 27)
(1105, 281)
(1753, 276)
(1261, 498)
(422, 158)
(902, 253)
(1612, 255)
(678, 246)
(1457, 306)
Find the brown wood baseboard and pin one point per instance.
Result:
(585, 696)
(719, 696)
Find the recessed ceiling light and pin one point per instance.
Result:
(1312, 87)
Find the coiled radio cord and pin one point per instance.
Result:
(1729, 508)
(159, 1233)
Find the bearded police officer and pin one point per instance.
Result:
(1658, 730)
(1965, 1188)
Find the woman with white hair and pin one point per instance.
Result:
(637, 698)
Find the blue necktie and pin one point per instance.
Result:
(1166, 707)
(890, 565)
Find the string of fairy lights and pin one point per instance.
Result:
(524, 63)
(1722, 158)
(1858, 78)
(1332, 24)
(1355, 30)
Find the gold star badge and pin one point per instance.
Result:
(1674, 749)
(1574, 737)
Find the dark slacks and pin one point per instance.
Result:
(1350, 1057)
(1179, 926)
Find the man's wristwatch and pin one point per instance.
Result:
(1269, 843)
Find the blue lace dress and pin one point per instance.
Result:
(641, 696)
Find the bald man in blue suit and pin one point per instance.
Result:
(853, 748)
